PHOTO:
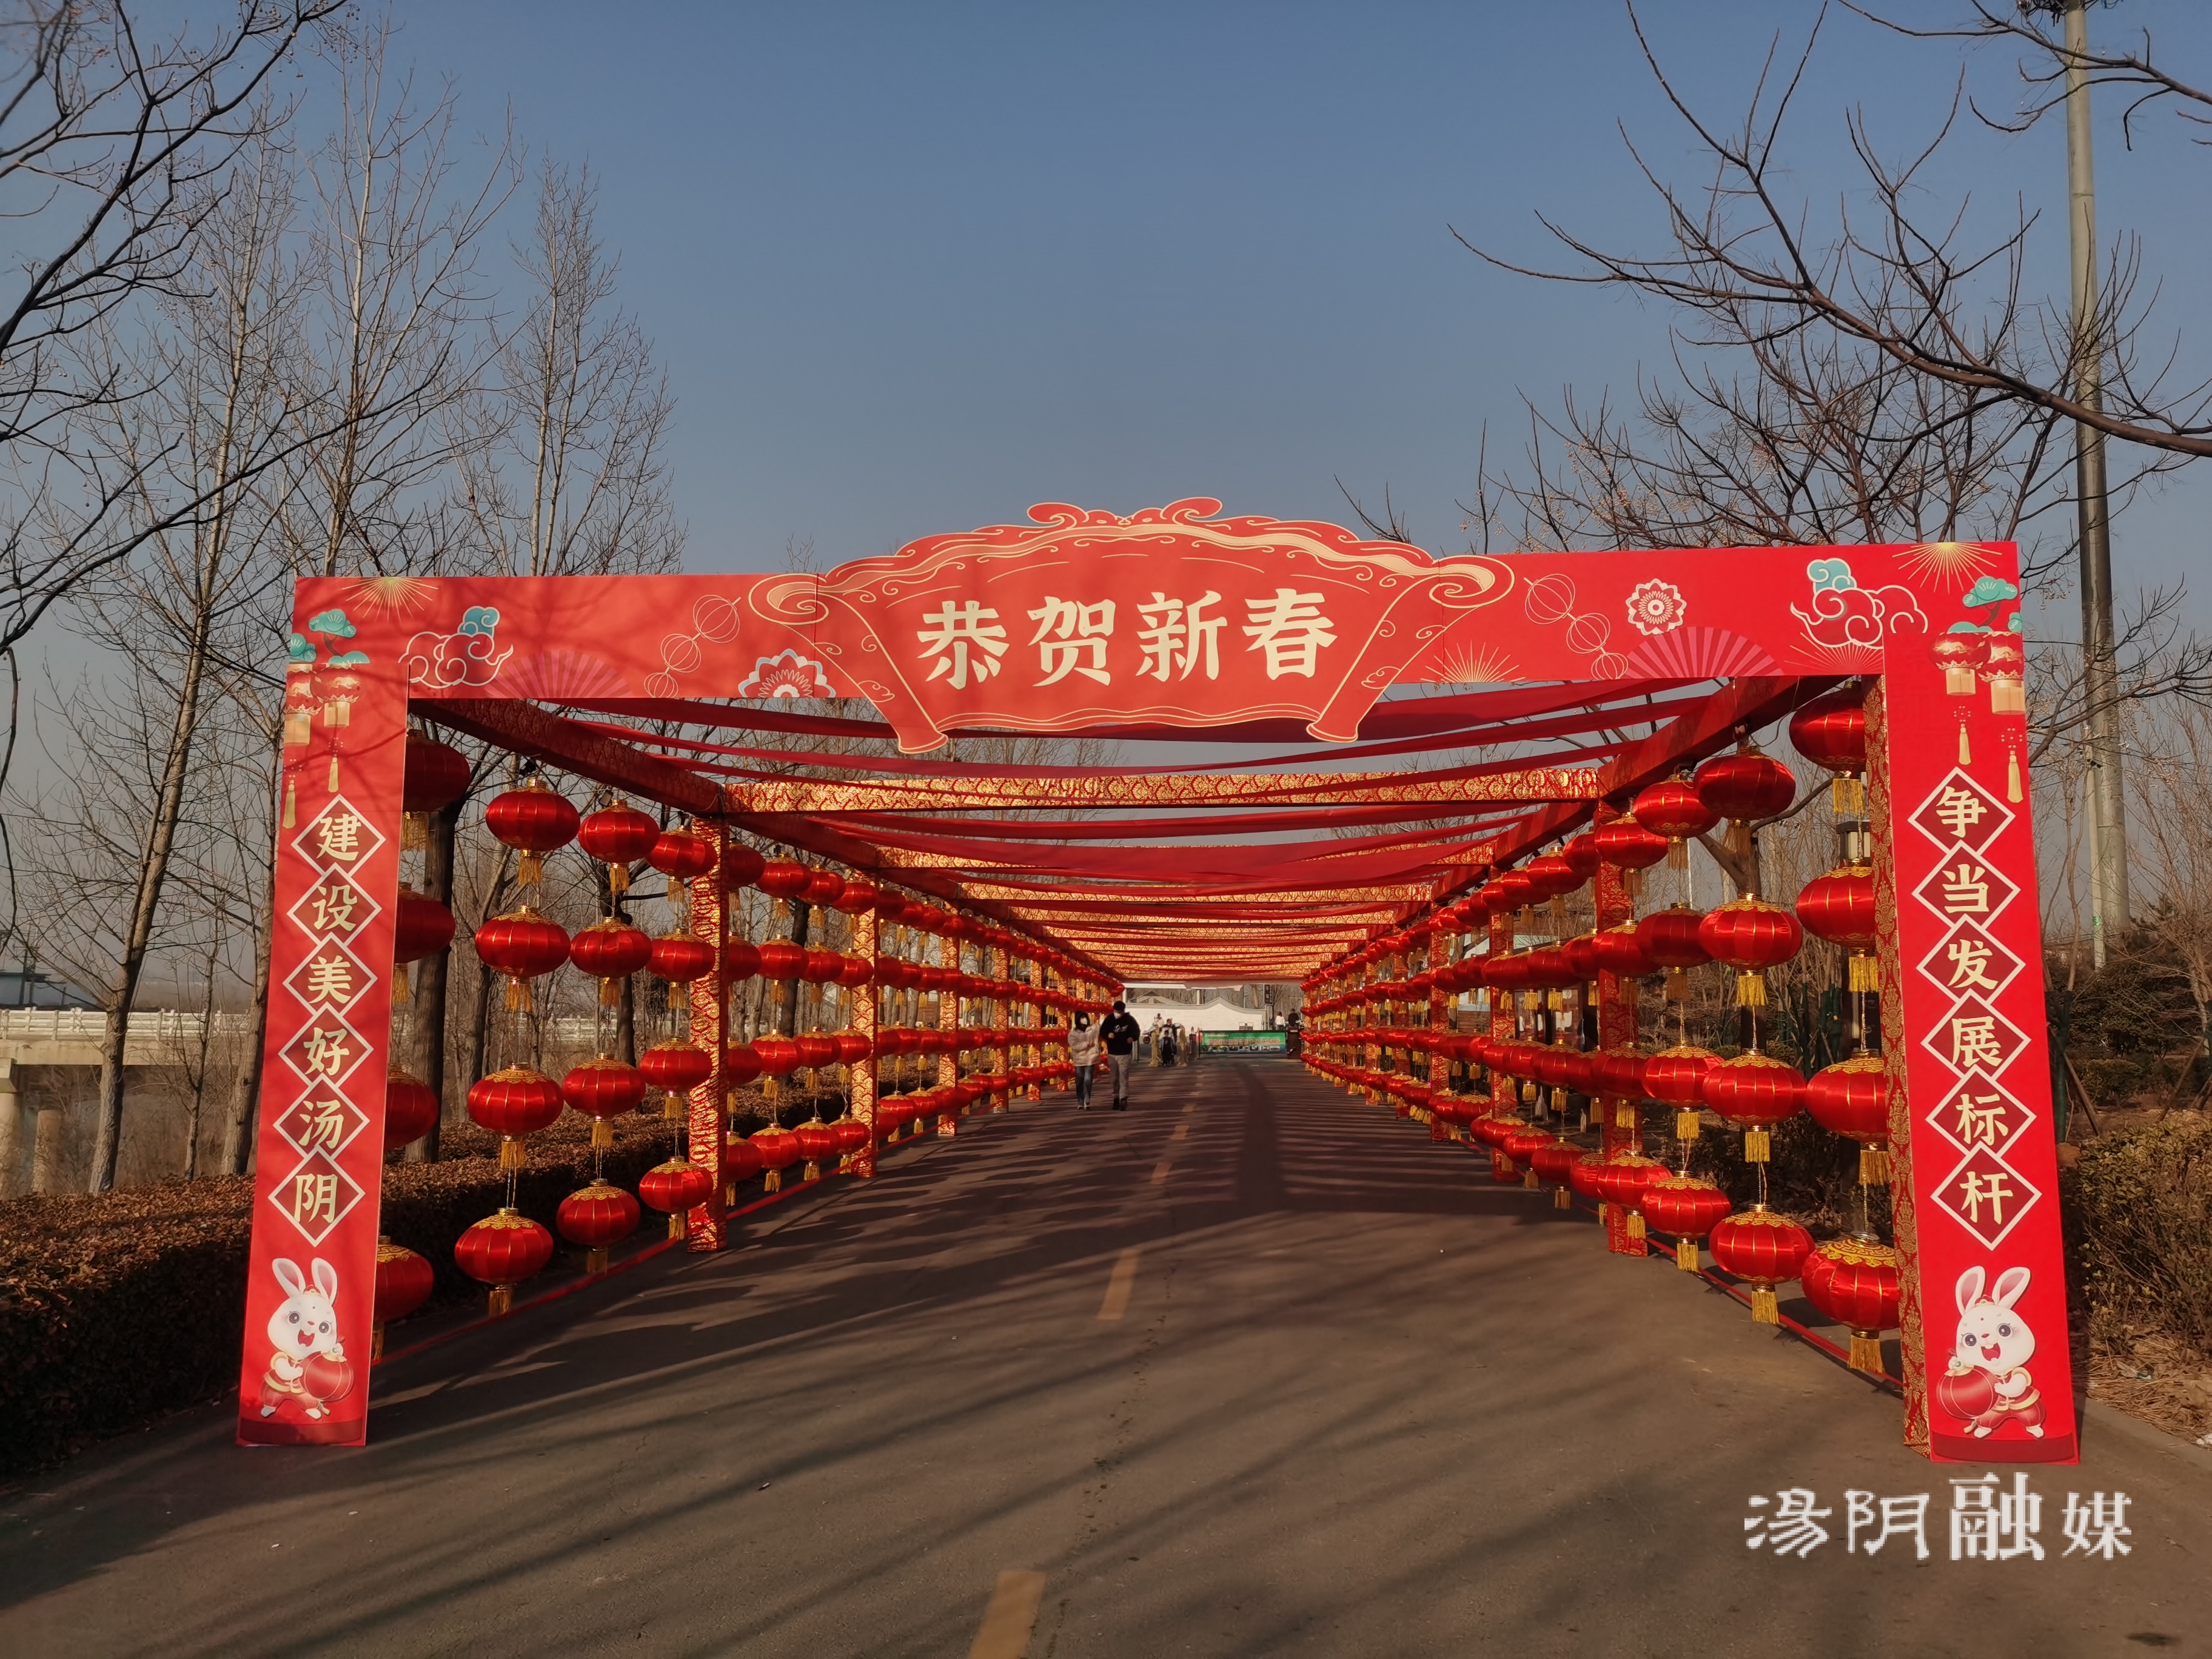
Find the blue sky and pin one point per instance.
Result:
(914, 266)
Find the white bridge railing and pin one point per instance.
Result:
(86, 1025)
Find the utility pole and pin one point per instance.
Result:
(2108, 842)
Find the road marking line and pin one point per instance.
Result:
(1119, 1283)
(1010, 1617)
(1187, 1110)
(1182, 1132)
(1160, 1172)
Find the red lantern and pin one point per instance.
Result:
(1688, 1210)
(513, 1103)
(1618, 950)
(1671, 808)
(1555, 1165)
(1839, 907)
(859, 897)
(502, 1251)
(403, 1283)
(782, 879)
(852, 972)
(1582, 856)
(740, 1065)
(1581, 953)
(741, 1159)
(596, 1216)
(824, 888)
(1627, 845)
(1749, 934)
(1515, 889)
(820, 967)
(1619, 1072)
(674, 1188)
(523, 945)
(1753, 1091)
(1670, 939)
(1855, 1282)
(436, 775)
(1676, 1077)
(740, 867)
(1745, 786)
(779, 1150)
(817, 1050)
(816, 1141)
(617, 837)
(1763, 1250)
(1551, 876)
(534, 821)
(603, 1089)
(778, 1056)
(681, 854)
(678, 1068)
(852, 1048)
(680, 958)
(423, 927)
(610, 951)
(1851, 1097)
(1830, 731)
(410, 1109)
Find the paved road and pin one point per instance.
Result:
(1358, 1401)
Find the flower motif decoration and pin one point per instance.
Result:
(1656, 607)
(787, 674)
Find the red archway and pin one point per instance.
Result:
(1261, 637)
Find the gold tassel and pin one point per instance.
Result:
(812, 1172)
(1846, 795)
(400, 990)
(595, 1260)
(415, 832)
(1765, 1310)
(1685, 1254)
(1528, 1178)
(603, 1132)
(1751, 989)
(772, 1181)
(609, 993)
(530, 869)
(1631, 885)
(671, 1107)
(375, 1343)
(1757, 1146)
(1678, 854)
(1739, 837)
(1604, 1209)
(1865, 973)
(1636, 1223)
(677, 1225)
(291, 803)
(1678, 984)
(518, 994)
(331, 787)
(1623, 1114)
(1966, 750)
(512, 1154)
(1866, 1353)
(1560, 1199)
(618, 879)
(1686, 1123)
(1874, 1166)
(2012, 775)
(1559, 916)
(501, 1301)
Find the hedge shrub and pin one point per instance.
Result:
(116, 1309)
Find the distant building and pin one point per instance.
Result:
(29, 989)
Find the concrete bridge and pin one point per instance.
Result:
(70, 1036)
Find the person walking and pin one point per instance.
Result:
(1168, 1044)
(1083, 1054)
(1119, 1035)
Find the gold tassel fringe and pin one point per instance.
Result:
(1604, 1209)
(1678, 984)
(512, 1154)
(1765, 1310)
(772, 1181)
(812, 1172)
(1751, 989)
(291, 803)
(331, 785)
(1757, 1146)
(1529, 1178)
(1561, 1200)
(1966, 749)
(1847, 795)
(677, 1225)
(415, 832)
(1685, 1254)
(603, 1132)
(617, 879)
(671, 1107)
(401, 992)
(518, 994)
(375, 1343)
(501, 1301)
(1685, 1124)
(1678, 854)
(1739, 837)
(1874, 1166)
(1623, 1114)
(595, 1260)
(1865, 973)
(1866, 1353)
(609, 993)
(1631, 885)
(2012, 775)
(1636, 1223)
(530, 869)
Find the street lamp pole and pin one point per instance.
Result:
(2108, 843)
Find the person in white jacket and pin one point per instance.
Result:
(1083, 1054)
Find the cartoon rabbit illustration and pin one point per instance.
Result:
(1995, 1342)
(307, 1364)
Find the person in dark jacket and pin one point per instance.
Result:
(1119, 1036)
